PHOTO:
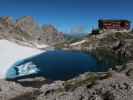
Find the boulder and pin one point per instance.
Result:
(13, 91)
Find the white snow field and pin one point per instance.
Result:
(78, 43)
(11, 52)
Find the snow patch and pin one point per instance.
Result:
(78, 43)
(26, 69)
(11, 52)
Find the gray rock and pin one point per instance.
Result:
(36, 82)
(14, 91)
(116, 87)
(27, 29)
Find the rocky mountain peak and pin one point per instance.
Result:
(6, 24)
(5, 19)
(51, 34)
(49, 29)
(25, 20)
(26, 24)
(27, 29)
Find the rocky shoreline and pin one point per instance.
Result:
(115, 84)
(111, 85)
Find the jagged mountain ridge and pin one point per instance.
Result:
(27, 29)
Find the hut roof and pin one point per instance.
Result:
(114, 20)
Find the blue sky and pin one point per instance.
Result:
(66, 14)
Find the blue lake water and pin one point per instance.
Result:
(56, 65)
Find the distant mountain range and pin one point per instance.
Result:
(77, 35)
(74, 37)
(27, 29)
